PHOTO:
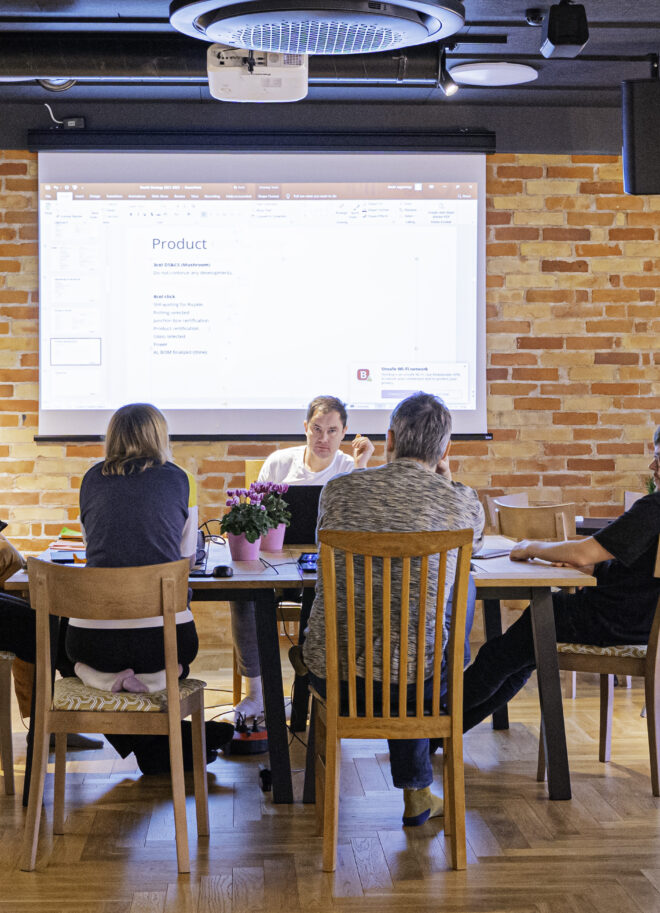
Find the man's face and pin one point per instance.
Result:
(654, 466)
(325, 433)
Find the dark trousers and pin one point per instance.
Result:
(504, 663)
(410, 760)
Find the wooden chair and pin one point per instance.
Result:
(631, 659)
(520, 499)
(547, 521)
(69, 706)
(331, 722)
(6, 747)
(252, 470)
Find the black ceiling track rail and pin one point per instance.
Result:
(463, 140)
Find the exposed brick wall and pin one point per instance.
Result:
(573, 360)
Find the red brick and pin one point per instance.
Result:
(18, 250)
(93, 451)
(538, 374)
(524, 172)
(615, 389)
(516, 233)
(592, 434)
(252, 451)
(538, 403)
(540, 342)
(508, 326)
(598, 187)
(493, 249)
(619, 449)
(591, 465)
(575, 418)
(619, 203)
(571, 172)
(631, 234)
(564, 389)
(594, 159)
(565, 449)
(566, 234)
(497, 374)
(598, 250)
(30, 359)
(564, 266)
(605, 325)
(23, 217)
(497, 217)
(513, 358)
(505, 434)
(13, 168)
(640, 281)
(494, 186)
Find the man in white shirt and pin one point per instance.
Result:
(313, 463)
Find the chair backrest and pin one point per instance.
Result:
(520, 499)
(252, 470)
(629, 498)
(388, 563)
(548, 521)
(107, 593)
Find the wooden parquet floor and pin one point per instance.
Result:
(598, 853)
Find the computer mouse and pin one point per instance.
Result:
(223, 570)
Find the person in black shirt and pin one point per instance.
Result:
(619, 610)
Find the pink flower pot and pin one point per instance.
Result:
(274, 539)
(241, 549)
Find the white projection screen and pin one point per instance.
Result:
(230, 288)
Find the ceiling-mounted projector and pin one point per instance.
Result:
(565, 30)
(239, 74)
(318, 26)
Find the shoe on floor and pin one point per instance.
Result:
(248, 708)
(419, 805)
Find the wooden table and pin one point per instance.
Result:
(501, 578)
(255, 581)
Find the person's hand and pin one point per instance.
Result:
(521, 551)
(362, 450)
(443, 469)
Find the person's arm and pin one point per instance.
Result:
(579, 553)
(362, 450)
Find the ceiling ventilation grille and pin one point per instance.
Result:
(314, 37)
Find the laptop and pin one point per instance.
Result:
(303, 502)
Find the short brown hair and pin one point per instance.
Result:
(137, 438)
(325, 404)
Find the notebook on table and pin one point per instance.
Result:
(303, 502)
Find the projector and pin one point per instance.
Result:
(565, 30)
(237, 74)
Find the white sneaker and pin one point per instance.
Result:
(248, 707)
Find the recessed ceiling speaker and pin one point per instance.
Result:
(318, 26)
(641, 135)
(565, 30)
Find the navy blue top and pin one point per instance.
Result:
(135, 519)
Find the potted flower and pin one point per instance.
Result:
(277, 511)
(245, 523)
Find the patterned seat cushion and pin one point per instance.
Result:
(72, 694)
(5, 654)
(638, 651)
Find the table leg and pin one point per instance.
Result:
(271, 677)
(493, 628)
(547, 670)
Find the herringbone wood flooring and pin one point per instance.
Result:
(598, 852)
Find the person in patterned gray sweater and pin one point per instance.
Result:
(412, 491)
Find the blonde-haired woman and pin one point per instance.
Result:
(137, 508)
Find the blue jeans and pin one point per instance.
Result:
(410, 761)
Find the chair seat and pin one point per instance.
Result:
(72, 694)
(6, 655)
(636, 651)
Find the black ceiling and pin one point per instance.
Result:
(133, 69)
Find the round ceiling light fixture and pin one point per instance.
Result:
(494, 73)
(318, 26)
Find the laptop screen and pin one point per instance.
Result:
(303, 501)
